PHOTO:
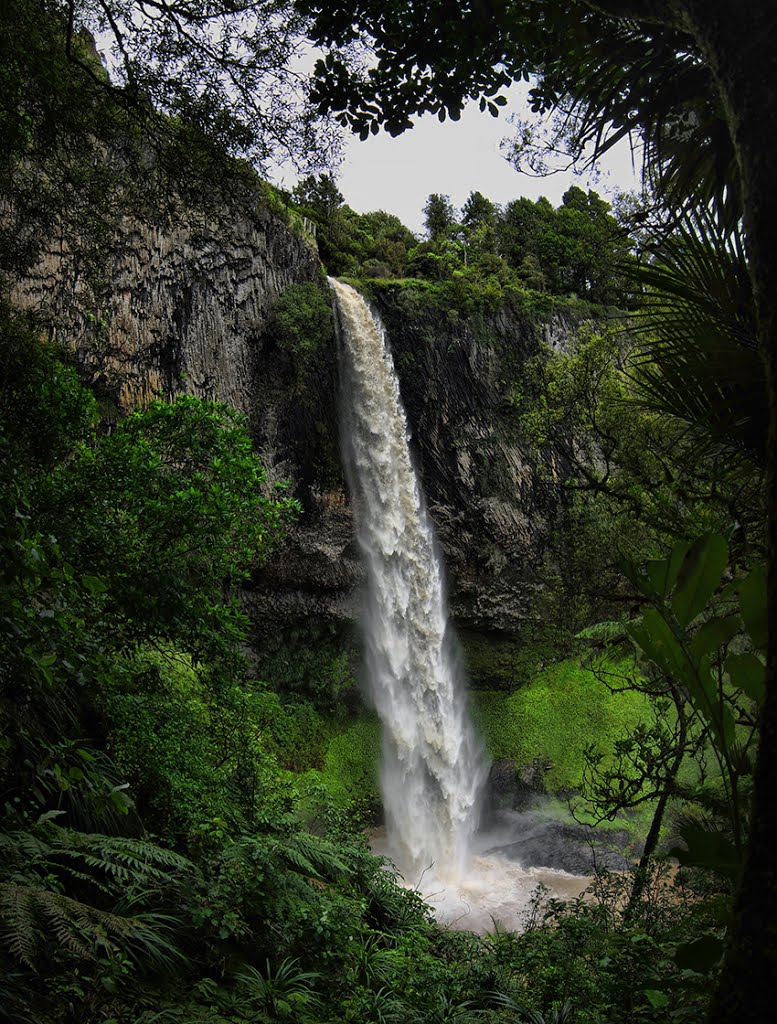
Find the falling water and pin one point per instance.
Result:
(433, 770)
(432, 766)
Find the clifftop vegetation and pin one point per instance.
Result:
(579, 249)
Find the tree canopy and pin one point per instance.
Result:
(187, 87)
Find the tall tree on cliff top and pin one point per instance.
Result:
(697, 81)
(439, 216)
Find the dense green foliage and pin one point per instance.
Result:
(551, 721)
(127, 708)
(158, 852)
(633, 478)
(578, 249)
(302, 320)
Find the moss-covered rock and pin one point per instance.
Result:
(552, 720)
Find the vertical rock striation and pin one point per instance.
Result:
(493, 512)
(183, 308)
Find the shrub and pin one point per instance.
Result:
(302, 319)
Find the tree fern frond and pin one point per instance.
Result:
(32, 916)
(69, 924)
(696, 357)
(25, 847)
(320, 856)
(17, 914)
(98, 859)
(121, 857)
(298, 860)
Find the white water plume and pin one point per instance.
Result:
(433, 769)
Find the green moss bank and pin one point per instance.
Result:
(552, 720)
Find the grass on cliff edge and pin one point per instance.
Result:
(554, 718)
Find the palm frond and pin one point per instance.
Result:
(696, 357)
(285, 991)
(559, 1015)
(373, 962)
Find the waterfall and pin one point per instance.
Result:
(432, 768)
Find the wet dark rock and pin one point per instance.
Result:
(184, 308)
(537, 839)
(492, 510)
(513, 787)
(501, 777)
(187, 308)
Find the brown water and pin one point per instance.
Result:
(493, 890)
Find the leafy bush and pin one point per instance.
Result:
(302, 319)
(312, 663)
(351, 764)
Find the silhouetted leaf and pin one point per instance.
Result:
(707, 849)
(748, 673)
(701, 955)
(752, 601)
(699, 576)
(715, 634)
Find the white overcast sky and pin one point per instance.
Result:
(456, 158)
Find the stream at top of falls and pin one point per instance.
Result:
(433, 769)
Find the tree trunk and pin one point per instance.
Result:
(738, 39)
(642, 874)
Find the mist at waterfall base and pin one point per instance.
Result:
(433, 769)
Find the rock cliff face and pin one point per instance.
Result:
(183, 308)
(491, 510)
(190, 310)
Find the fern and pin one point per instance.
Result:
(38, 906)
(607, 632)
(122, 859)
(315, 856)
(32, 916)
(298, 861)
(17, 913)
(119, 859)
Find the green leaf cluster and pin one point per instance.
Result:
(709, 640)
(302, 319)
